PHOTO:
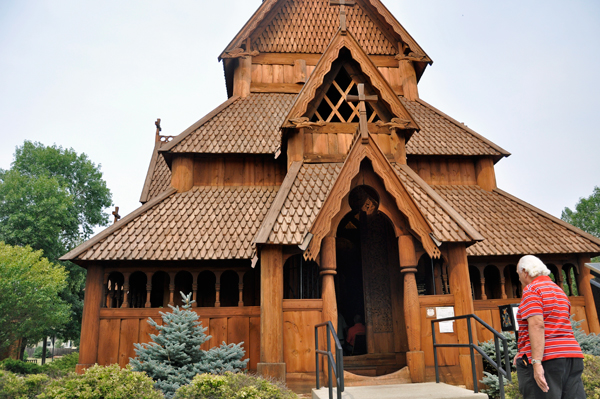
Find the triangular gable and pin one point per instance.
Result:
(393, 185)
(158, 177)
(345, 40)
(315, 22)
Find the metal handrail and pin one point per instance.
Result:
(497, 365)
(338, 370)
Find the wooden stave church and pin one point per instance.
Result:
(263, 209)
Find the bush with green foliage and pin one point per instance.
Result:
(174, 357)
(20, 367)
(590, 343)
(62, 366)
(591, 376)
(13, 386)
(103, 382)
(233, 386)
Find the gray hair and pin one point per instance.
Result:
(533, 266)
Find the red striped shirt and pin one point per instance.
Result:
(544, 298)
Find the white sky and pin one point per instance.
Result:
(94, 75)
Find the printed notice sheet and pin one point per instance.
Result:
(442, 313)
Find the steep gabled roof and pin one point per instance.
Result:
(307, 26)
(208, 222)
(512, 226)
(158, 177)
(442, 135)
(345, 40)
(247, 125)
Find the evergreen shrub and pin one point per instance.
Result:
(591, 376)
(103, 382)
(13, 386)
(62, 366)
(20, 367)
(233, 386)
(174, 357)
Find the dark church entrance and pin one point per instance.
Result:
(369, 284)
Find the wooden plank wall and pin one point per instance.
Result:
(299, 319)
(238, 171)
(322, 142)
(284, 73)
(445, 171)
(121, 328)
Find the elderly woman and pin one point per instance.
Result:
(549, 362)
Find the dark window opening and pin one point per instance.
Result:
(137, 290)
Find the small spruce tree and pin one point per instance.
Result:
(174, 357)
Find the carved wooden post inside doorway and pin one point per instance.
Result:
(415, 357)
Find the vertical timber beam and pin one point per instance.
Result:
(182, 170)
(242, 77)
(486, 176)
(458, 271)
(415, 357)
(90, 325)
(409, 80)
(271, 313)
(584, 286)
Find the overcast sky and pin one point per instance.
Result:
(94, 76)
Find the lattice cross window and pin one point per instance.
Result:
(335, 108)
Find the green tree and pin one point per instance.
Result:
(51, 199)
(586, 215)
(29, 295)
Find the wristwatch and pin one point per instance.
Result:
(534, 361)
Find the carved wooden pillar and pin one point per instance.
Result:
(195, 289)
(458, 270)
(271, 313)
(328, 270)
(503, 287)
(482, 280)
(241, 288)
(415, 357)
(149, 275)
(125, 303)
(171, 289)
(90, 324)
(585, 289)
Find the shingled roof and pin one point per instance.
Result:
(158, 177)
(313, 183)
(207, 222)
(307, 26)
(247, 125)
(512, 227)
(442, 135)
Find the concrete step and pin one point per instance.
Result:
(427, 390)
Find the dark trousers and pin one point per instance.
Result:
(562, 375)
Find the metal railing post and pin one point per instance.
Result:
(475, 381)
(317, 356)
(435, 358)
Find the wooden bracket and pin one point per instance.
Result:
(240, 53)
(305, 122)
(395, 123)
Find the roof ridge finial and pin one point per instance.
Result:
(158, 129)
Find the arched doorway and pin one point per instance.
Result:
(368, 281)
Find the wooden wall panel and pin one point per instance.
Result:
(446, 356)
(579, 313)
(218, 331)
(238, 330)
(121, 328)
(238, 171)
(298, 340)
(108, 343)
(444, 171)
(129, 335)
(254, 347)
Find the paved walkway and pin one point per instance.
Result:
(427, 390)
